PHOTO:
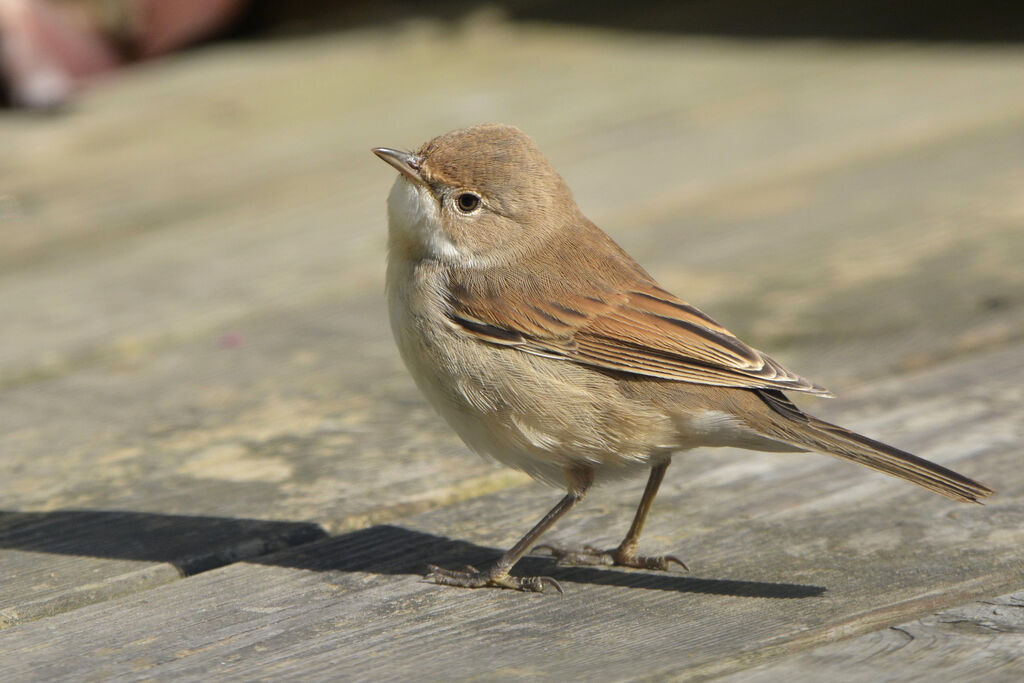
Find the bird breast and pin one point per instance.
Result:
(537, 414)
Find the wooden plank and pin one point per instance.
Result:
(269, 182)
(848, 278)
(62, 560)
(207, 455)
(231, 404)
(980, 641)
(216, 346)
(292, 415)
(787, 551)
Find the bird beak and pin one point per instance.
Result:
(406, 163)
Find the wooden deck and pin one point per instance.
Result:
(214, 464)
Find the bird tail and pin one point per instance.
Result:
(806, 431)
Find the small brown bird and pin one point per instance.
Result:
(545, 346)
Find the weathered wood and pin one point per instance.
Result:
(786, 551)
(304, 413)
(270, 185)
(58, 561)
(182, 457)
(194, 361)
(979, 641)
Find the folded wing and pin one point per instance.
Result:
(640, 329)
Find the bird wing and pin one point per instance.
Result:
(639, 329)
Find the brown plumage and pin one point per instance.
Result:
(617, 319)
(549, 348)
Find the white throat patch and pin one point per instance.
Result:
(413, 214)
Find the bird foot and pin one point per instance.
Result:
(471, 577)
(589, 556)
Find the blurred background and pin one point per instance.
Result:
(192, 225)
(52, 47)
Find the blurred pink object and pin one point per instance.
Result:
(163, 25)
(45, 54)
(49, 49)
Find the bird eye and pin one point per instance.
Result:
(467, 202)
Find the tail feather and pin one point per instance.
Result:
(807, 431)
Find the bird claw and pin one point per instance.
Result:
(589, 556)
(471, 577)
(661, 562)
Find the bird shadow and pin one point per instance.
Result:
(194, 544)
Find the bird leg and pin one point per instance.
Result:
(498, 574)
(624, 555)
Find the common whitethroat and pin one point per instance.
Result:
(547, 347)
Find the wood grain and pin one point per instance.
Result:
(980, 641)
(174, 204)
(786, 551)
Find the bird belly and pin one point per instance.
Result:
(535, 414)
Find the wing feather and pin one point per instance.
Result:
(625, 323)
